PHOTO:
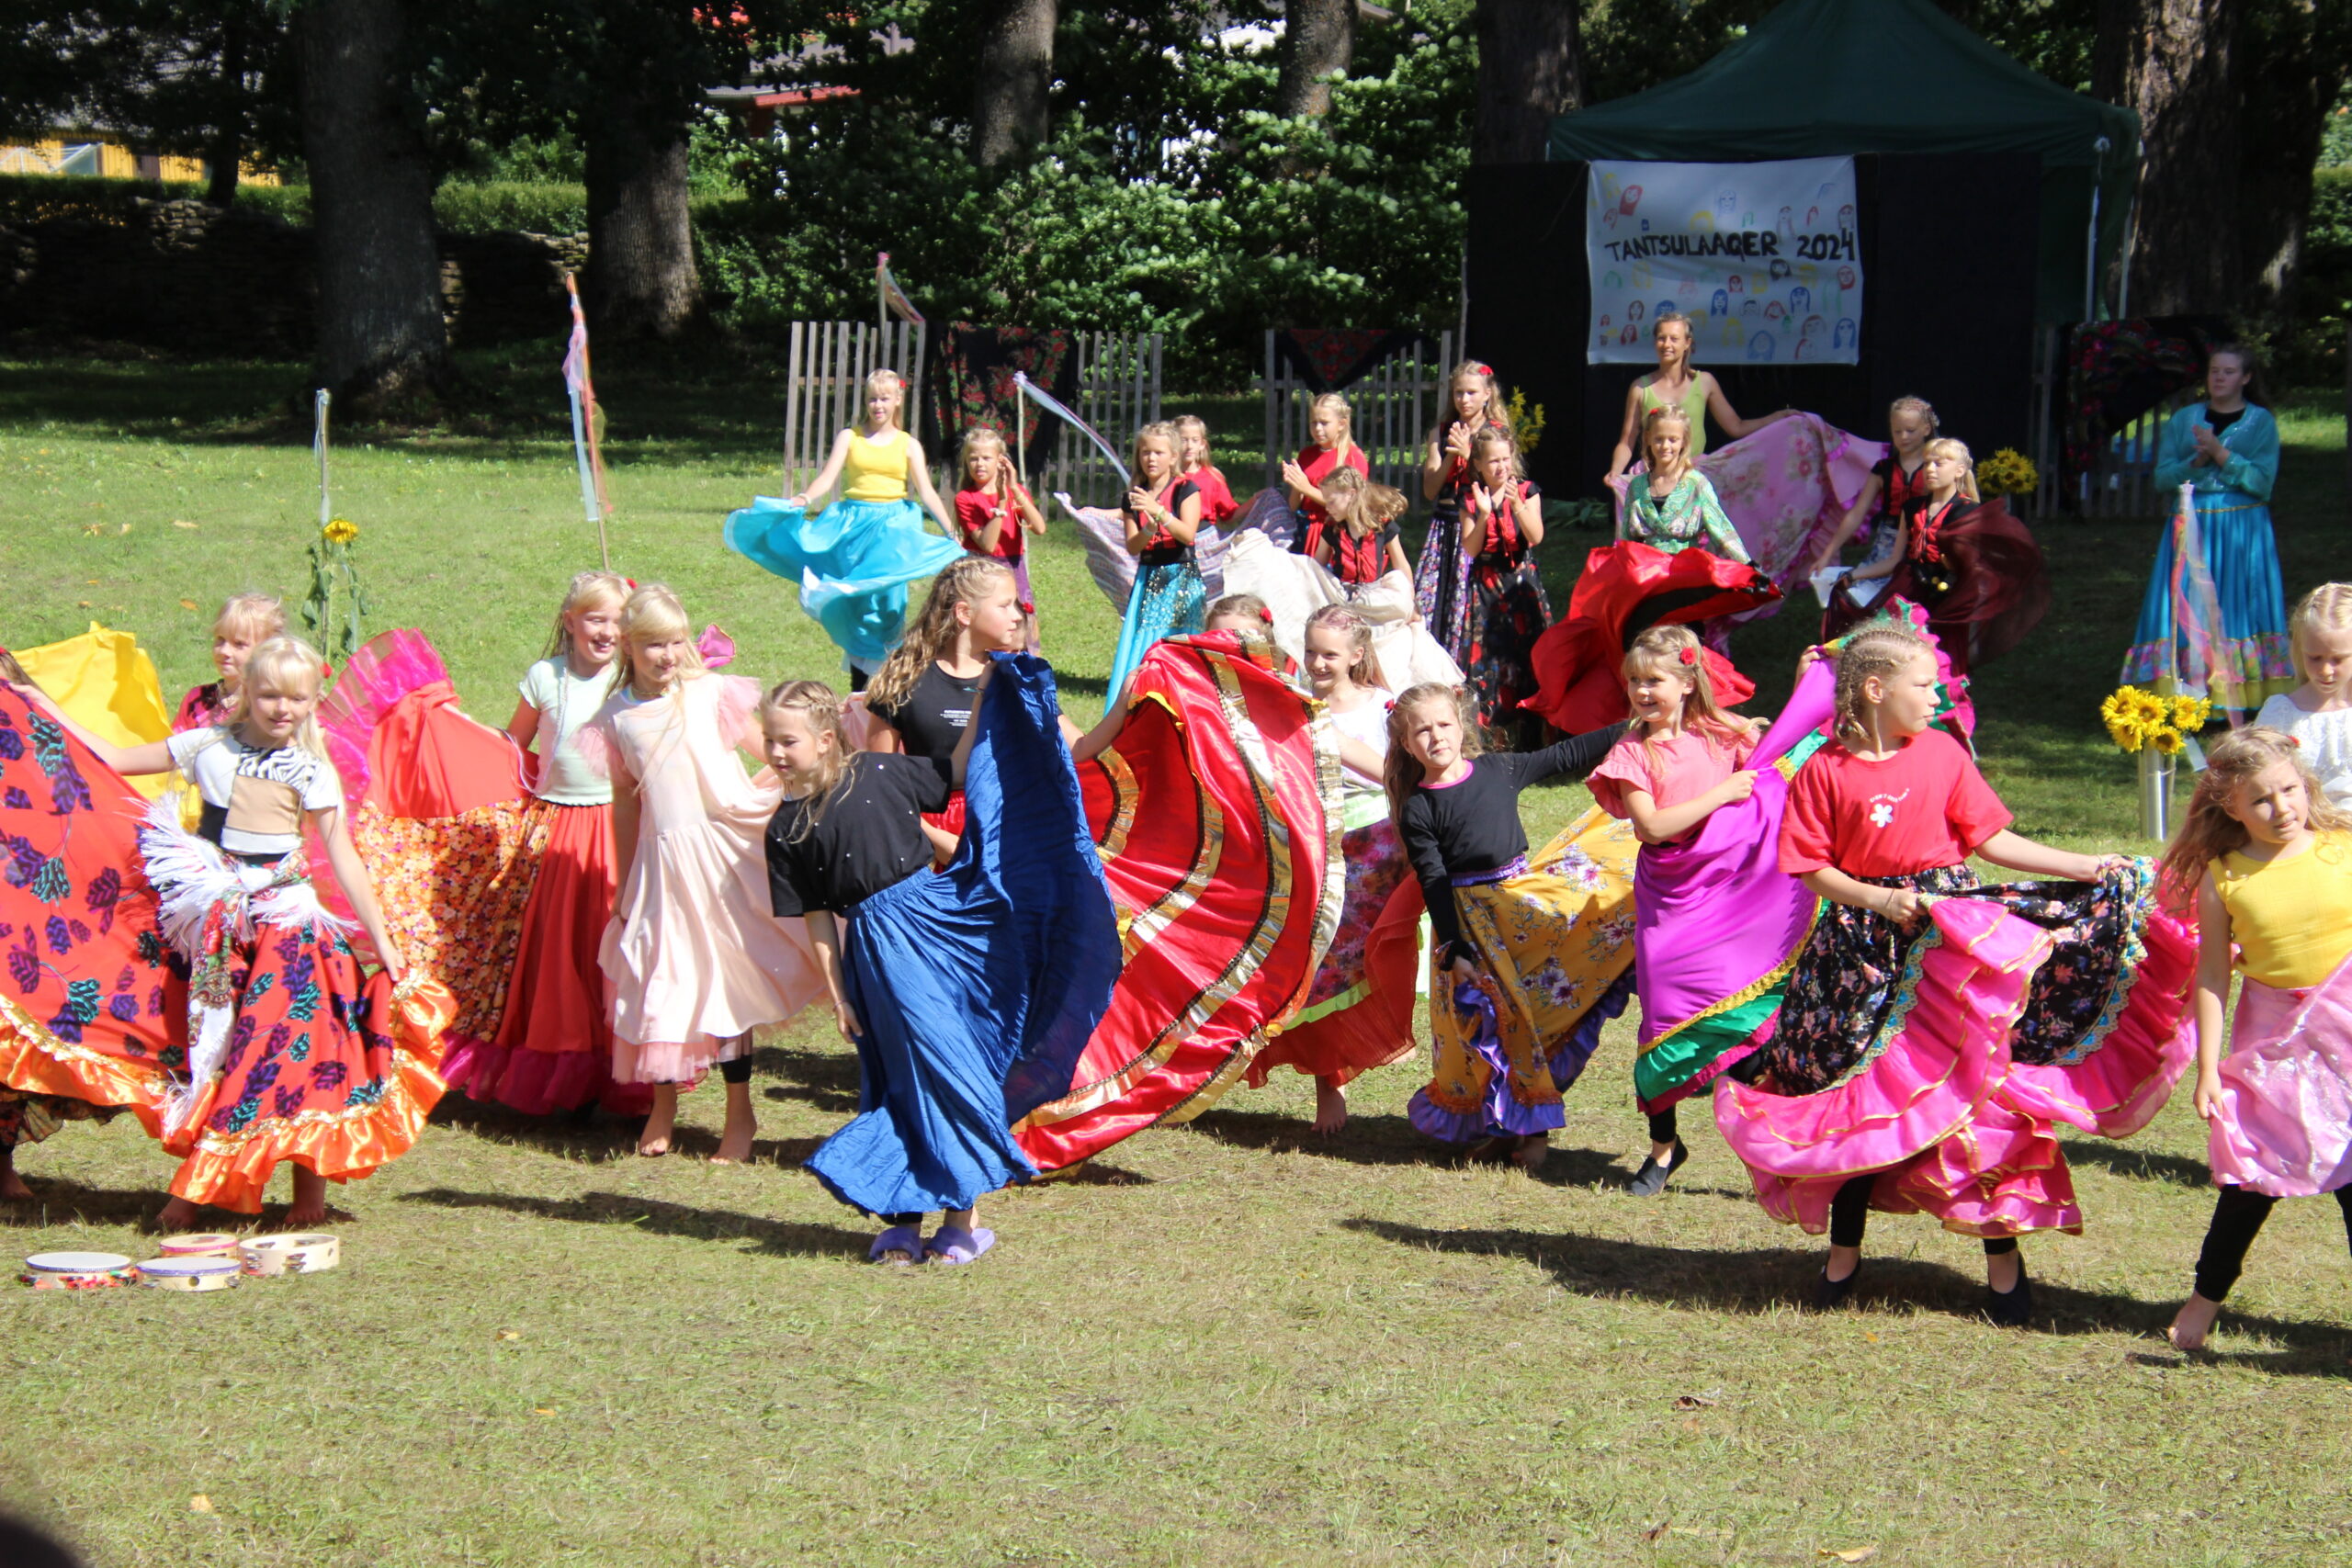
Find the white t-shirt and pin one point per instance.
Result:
(2326, 743)
(253, 801)
(565, 704)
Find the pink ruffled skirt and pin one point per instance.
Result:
(2284, 1124)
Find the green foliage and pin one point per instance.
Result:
(471, 207)
(336, 610)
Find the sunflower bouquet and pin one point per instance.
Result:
(336, 611)
(2007, 472)
(2139, 720)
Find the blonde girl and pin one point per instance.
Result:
(1328, 446)
(1974, 569)
(293, 1057)
(2270, 857)
(1359, 1011)
(921, 701)
(552, 1046)
(853, 561)
(2318, 713)
(1677, 384)
(1217, 504)
(995, 512)
(1508, 1044)
(1502, 522)
(2035, 1003)
(1363, 547)
(695, 958)
(1161, 518)
(1441, 583)
(1672, 506)
(1893, 480)
(244, 623)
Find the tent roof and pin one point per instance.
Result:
(1818, 78)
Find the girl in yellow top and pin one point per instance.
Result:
(852, 560)
(2271, 860)
(1675, 384)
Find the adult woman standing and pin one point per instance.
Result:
(1677, 384)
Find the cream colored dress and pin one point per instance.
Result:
(694, 960)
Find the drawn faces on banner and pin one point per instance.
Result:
(1771, 248)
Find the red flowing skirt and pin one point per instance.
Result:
(1221, 848)
(1627, 587)
(1359, 1013)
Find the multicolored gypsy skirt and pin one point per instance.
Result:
(1168, 600)
(1942, 1058)
(2250, 650)
(1508, 612)
(1555, 940)
(1359, 1011)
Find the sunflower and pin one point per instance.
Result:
(340, 531)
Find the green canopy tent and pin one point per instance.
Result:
(1822, 78)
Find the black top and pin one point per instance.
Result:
(1474, 826)
(1896, 488)
(870, 838)
(2220, 421)
(932, 718)
(1164, 548)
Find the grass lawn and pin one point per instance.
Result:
(1230, 1343)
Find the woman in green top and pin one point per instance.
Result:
(1674, 384)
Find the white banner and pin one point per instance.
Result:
(1764, 258)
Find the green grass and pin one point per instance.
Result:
(1226, 1344)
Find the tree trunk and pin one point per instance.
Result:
(381, 335)
(1530, 69)
(227, 148)
(1318, 39)
(1016, 67)
(641, 279)
(2173, 61)
(2299, 50)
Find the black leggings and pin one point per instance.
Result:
(1663, 1126)
(1849, 1215)
(737, 1071)
(2238, 1213)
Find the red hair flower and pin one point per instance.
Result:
(1688, 655)
(1267, 617)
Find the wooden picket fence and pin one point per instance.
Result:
(1393, 408)
(2123, 484)
(827, 364)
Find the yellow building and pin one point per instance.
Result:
(96, 157)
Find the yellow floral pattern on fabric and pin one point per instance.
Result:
(452, 891)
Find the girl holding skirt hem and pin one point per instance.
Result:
(1162, 516)
(2270, 860)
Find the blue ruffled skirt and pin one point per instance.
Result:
(852, 561)
(979, 986)
(2242, 553)
(1168, 600)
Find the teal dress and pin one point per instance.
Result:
(1685, 516)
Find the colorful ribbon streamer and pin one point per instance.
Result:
(1047, 401)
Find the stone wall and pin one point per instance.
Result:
(197, 279)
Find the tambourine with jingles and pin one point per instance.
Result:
(191, 1274)
(306, 1253)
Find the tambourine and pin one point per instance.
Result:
(191, 1274)
(61, 1279)
(292, 1254)
(198, 1244)
(77, 1263)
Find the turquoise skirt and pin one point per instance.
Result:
(1168, 600)
(852, 562)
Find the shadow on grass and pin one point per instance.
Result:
(1755, 1281)
(824, 1079)
(2139, 1165)
(588, 1135)
(782, 1237)
(1392, 1140)
(57, 1201)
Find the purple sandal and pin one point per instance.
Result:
(906, 1239)
(953, 1243)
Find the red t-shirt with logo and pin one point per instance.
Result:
(1924, 806)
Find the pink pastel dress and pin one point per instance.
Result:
(695, 959)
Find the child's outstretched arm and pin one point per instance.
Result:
(2212, 995)
(919, 480)
(152, 757)
(353, 876)
(826, 475)
(1893, 556)
(1097, 741)
(2006, 848)
(1847, 524)
(1656, 824)
(826, 939)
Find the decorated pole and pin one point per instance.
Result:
(594, 502)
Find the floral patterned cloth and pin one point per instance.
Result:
(1785, 487)
(452, 890)
(1504, 611)
(1555, 940)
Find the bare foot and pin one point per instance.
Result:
(308, 1209)
(1331, 1107)
(2192, 1323)
(663, 1124)
(12, 1185)
(1532, 1151)
(175, 1215)
(735, 1138)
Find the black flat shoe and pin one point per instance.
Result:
(1830, 1294)
(1651, 1180)
(2011, 1309)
